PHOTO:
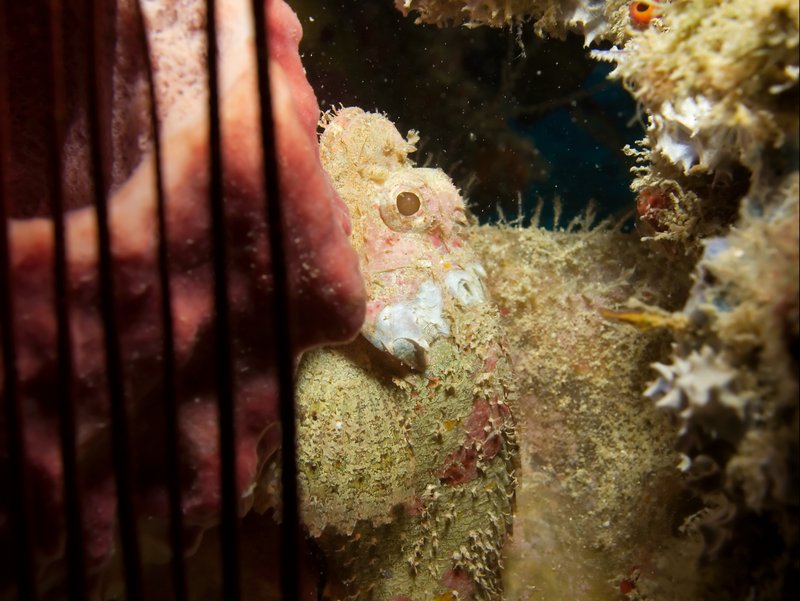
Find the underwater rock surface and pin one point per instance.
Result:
(594, 19)
(717, 184)
(598, 490)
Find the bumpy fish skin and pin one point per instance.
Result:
(406, 447)
(407, 228)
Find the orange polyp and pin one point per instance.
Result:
(642, 12)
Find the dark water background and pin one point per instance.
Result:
(505, 114)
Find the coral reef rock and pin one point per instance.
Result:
(594, 19)
(733, 386)
(718, 83)
(598, 488)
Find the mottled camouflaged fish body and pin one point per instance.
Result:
(407, 226)
(406, 449)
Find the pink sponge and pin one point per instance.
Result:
(326, 290)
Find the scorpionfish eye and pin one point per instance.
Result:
(403, 202)
(401, 208)
(407, 203)
(642, 12)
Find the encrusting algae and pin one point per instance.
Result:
(598, 492)
(594, 19)
(717, 182)
(406, 445)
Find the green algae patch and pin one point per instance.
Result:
(599, 491)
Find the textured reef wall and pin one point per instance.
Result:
(594, 19)
(719, 177)
(599, 493)
(717, 185)
(718, 83)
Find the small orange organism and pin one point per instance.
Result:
(643, 11)
(650, 206)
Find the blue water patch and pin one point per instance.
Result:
(582, 142)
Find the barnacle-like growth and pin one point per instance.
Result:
(701, 389)
(642, 12)
(594, 19)
(733, 385)
(720, 74)
(718, 82)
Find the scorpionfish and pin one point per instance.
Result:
(406, 448)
